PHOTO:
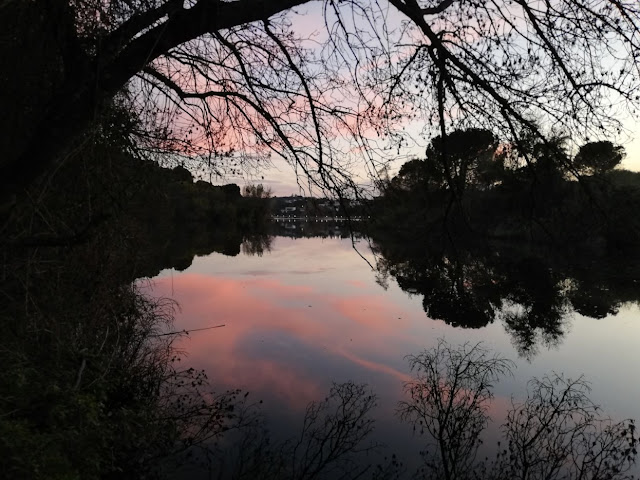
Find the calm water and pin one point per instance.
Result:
(310, 312)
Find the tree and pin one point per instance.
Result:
(256, 191)
(597, 158)
(333, 442)
(235, 80)
(556, 433)
(463, 157)
(449, 398)
(412, 175)
(546, 160)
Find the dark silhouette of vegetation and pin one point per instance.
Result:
(161, 216)
(598, 158)
(464, 157)
(94, 92)
(257, 244)
(448, 400)
(531, 289)
(557, 432)
(225, 82)
(93, 389)
(332, 442)
(525, 193)
(257, 191)
(91, 386)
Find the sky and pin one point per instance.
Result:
(281, 178)
(632, 161)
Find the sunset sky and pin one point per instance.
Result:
(307, 20)
(282, 179)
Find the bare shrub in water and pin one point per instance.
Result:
(556, 433)
(448, 400)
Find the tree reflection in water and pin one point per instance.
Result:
(72, 393)
(333, 442)
(531, 291)
(448, 401)
(557, 432)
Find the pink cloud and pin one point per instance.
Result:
(259, 307)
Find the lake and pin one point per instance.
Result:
(308, 312)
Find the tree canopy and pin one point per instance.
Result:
(233, 82)
(599, 157)
(462, 157)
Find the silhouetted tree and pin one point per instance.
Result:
(556, 433)
(332, 442)
(256, 191)
(235, 80)
(413, 175)
(531, 290)
(256, 244)
(448, 400)
(546, 160)
(463, 157)
(597, 158)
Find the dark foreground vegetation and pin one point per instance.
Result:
(91, 386)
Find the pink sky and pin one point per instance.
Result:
(307, 19)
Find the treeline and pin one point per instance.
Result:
(161, 216)
(473, 183)
(179, 218)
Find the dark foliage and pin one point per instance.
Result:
(532, 289)
(91, 387)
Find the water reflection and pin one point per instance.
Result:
(556, 432)
(331, 441)
(531, 290)
(309, 313)
(279, 338)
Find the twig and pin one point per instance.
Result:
(187, 331)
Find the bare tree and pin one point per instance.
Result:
(334, 432)
(236, 80)
(558, 432)
(333, 442)
(448, 400)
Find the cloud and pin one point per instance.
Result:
(280, 339)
